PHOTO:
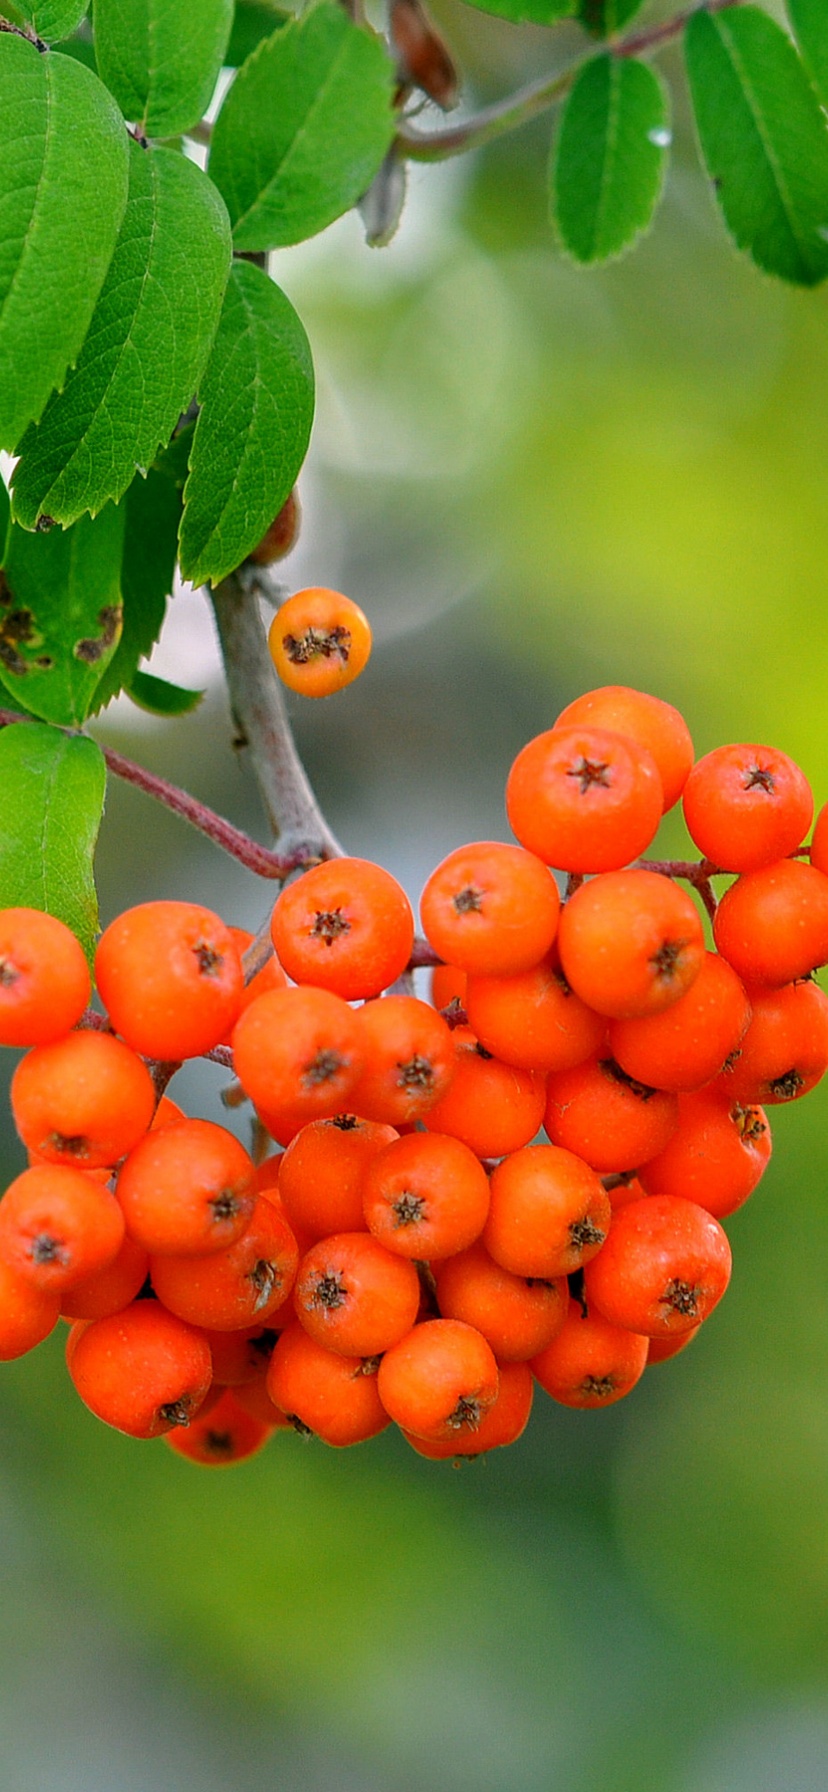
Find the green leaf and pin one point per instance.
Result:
(608, 158)
(253, 428)
(809, 19)
(60, 614)
(53, 19)
(153, 514)
(603, 18)
(161, 697)
(53, 791)
(254, 20)
(535, 12)
(146, 349)
(303, 130)
(63, 189)
(764, 140)
(161, 59)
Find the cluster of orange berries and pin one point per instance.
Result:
(412, 1254)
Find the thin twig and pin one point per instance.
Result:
(518, 108)
(259, 710)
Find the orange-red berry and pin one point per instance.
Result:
(346, 926)
(319, 641)
(44, 978)
(490, 908)
(169, 975)
(584, 799)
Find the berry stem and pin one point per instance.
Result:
(261, 718)
(518, 108)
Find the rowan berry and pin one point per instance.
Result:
(649, 721)
(298, 1052)
(319, 641)
(108, 1290)
(631, 943)
(44, 978)
(549, 1212)
(323, 1171)
(409, 1060)
(535, 1020)
(687, 1044)
(517, 1315)
(819, 841)
(784, 1052)
(85, 1100)
(57, 1226)
(187, 1189)
(169, 975)
(746, 806)
(503, 1423)
(27, 1314)
(222, 1436)
(355, 1297)
(239, 1357)
(233, 1289)
(772, 924)
(717, 1155)
(333, 1395)
(491, 908)
(447, 985)
(663, 1268)
(439, 1381)
(425, 1196)
(584, 799)
(281, 537)
(606, 1117)
(141, 1370)
(491, 1107)
(346, 925)
(591, 1362)
(661, 1349)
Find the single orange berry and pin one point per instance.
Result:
(584, 799)
(332, 1395)
(142, 1370)
(44, 979)
(355, 1297)
(517, 1315)
(631, 942)
(491, 908)
(590, 1363)
(346, 925)
(169, 975)
(187, 1189)
(322, 1172)
(426, 1196)
(223, 1435)
(319, 641)
(440, 1380)
(58, 1225)
(85, 1100)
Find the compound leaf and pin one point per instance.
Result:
(161, 59)
(152, 509)
(161, 697)
(60, 614)
(809, 19)
(63, 189)
(146, 348)
(609, 156)
(53, 791)
(764, 140)
(535, 12)
(253, 428)
(53, 19)
(603, 18)
(303, 130)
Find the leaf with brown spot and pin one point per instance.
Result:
(60, 614)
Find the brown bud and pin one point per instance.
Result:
(282, 534)
(423, 57)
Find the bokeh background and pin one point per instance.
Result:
(535, 480)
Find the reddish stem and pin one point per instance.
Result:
(258, 859)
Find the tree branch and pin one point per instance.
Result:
(518, 108)
(259, 710)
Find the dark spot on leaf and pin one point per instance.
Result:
(95, 646)
(44, 524)
(16, 630)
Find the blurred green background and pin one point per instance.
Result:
(535, 480)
